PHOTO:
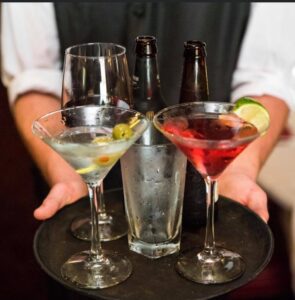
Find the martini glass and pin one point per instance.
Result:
(87, 138)
(97, 74)
(211, 136)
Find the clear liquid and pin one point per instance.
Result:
(90, 158)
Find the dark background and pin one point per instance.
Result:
(22, 278)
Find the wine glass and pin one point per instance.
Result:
(211, 136)
(87, 138)
(97, 73)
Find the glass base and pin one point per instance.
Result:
(112, 227)
(155, 250)
(85, 272)
(223, 266)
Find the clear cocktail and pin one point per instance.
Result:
(92, 139)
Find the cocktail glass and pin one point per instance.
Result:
(211, 136)
(87, 138)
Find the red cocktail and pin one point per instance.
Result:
(211, 135)
(219, 133)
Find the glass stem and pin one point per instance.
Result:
(102, 206)
(211, 192)
(96, 250)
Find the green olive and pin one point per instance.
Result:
(122, 131)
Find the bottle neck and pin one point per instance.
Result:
(146, 85)
(194, 86)
(146, 75)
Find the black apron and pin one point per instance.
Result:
(220, 25)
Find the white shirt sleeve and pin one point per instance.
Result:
(30, 49)
(266, 64)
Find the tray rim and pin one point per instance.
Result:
(83, 292)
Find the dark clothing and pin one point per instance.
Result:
(220, 25)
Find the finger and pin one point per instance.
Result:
(258, 203)
(57, 197)
(60, 195)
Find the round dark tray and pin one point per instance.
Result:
(237, 228)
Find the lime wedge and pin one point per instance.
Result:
(253, 112)
(88, 169)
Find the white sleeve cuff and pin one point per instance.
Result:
(265, 85)
(42, 80)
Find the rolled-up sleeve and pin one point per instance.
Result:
(266, 63)
(30, 59)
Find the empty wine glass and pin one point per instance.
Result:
(97, 73)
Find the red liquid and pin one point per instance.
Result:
(211, 157)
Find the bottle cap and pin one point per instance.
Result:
(145, 45)
(194, 48)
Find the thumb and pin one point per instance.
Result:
(258, 203)
(61, 194)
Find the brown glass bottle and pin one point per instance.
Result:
(147, 95)
(194, 87)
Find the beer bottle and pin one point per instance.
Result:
(194, 87)
(147, 95)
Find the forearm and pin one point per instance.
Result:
(27, 108)
(67, 185)
(238, 181)
(254, 156)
